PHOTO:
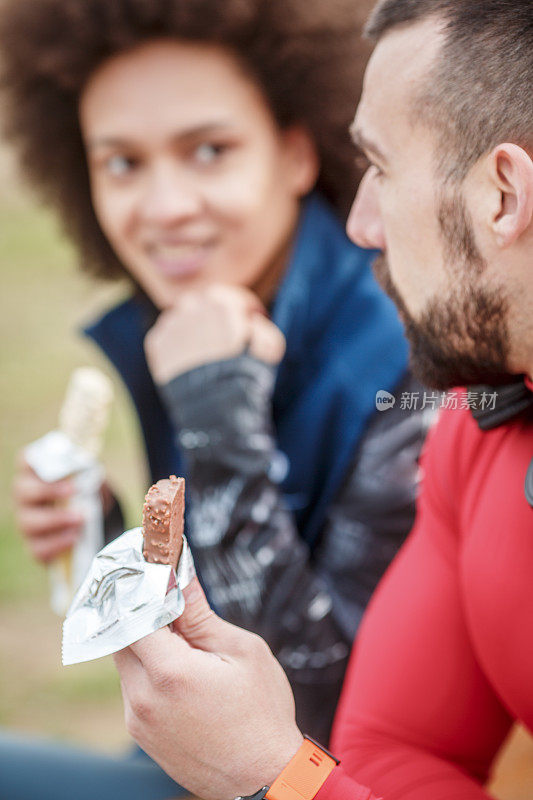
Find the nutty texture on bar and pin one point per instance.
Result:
(163, 521)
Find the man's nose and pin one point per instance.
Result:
(364, 226)
(169, 197)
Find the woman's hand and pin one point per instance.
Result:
(210, 324)
(48, 526)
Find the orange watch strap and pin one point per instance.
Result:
(304, 774)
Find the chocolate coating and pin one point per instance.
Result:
(163, 510)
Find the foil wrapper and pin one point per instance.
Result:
(53, 457)
(122, 599)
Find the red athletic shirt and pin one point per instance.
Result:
(444, 660)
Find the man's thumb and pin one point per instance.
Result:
(199, 625)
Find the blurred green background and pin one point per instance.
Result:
(44, 301)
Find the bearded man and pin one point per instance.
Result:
(444, 659)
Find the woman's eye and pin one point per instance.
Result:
(117, 166)
(207, 153)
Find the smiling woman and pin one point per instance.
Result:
(167, 161)
(202, 149)
(304, 60)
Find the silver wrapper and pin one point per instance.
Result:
(53, 457)
(122, 599)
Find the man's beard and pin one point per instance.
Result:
(462, 339)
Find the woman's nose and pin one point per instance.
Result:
(169, 196)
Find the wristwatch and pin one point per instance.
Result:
(302, 777)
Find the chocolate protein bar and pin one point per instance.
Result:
(163, 521)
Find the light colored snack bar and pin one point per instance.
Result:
(85, 411)
(83, 418)
(163, 510)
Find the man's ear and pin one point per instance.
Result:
(302, 159)
(511, 171)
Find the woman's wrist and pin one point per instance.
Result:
(224, 396)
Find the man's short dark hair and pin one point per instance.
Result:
(479, 92)
(307, 57)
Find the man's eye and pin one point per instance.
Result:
(363, 163)
(207, 153)
(118, 166)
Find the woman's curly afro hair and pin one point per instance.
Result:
(306, 55)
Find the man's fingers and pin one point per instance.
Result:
(198, 616)
(159, 650)
(200, 626)
(132, 675)
(128, 665)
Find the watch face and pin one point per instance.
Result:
(529, 484)
(257, 796)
